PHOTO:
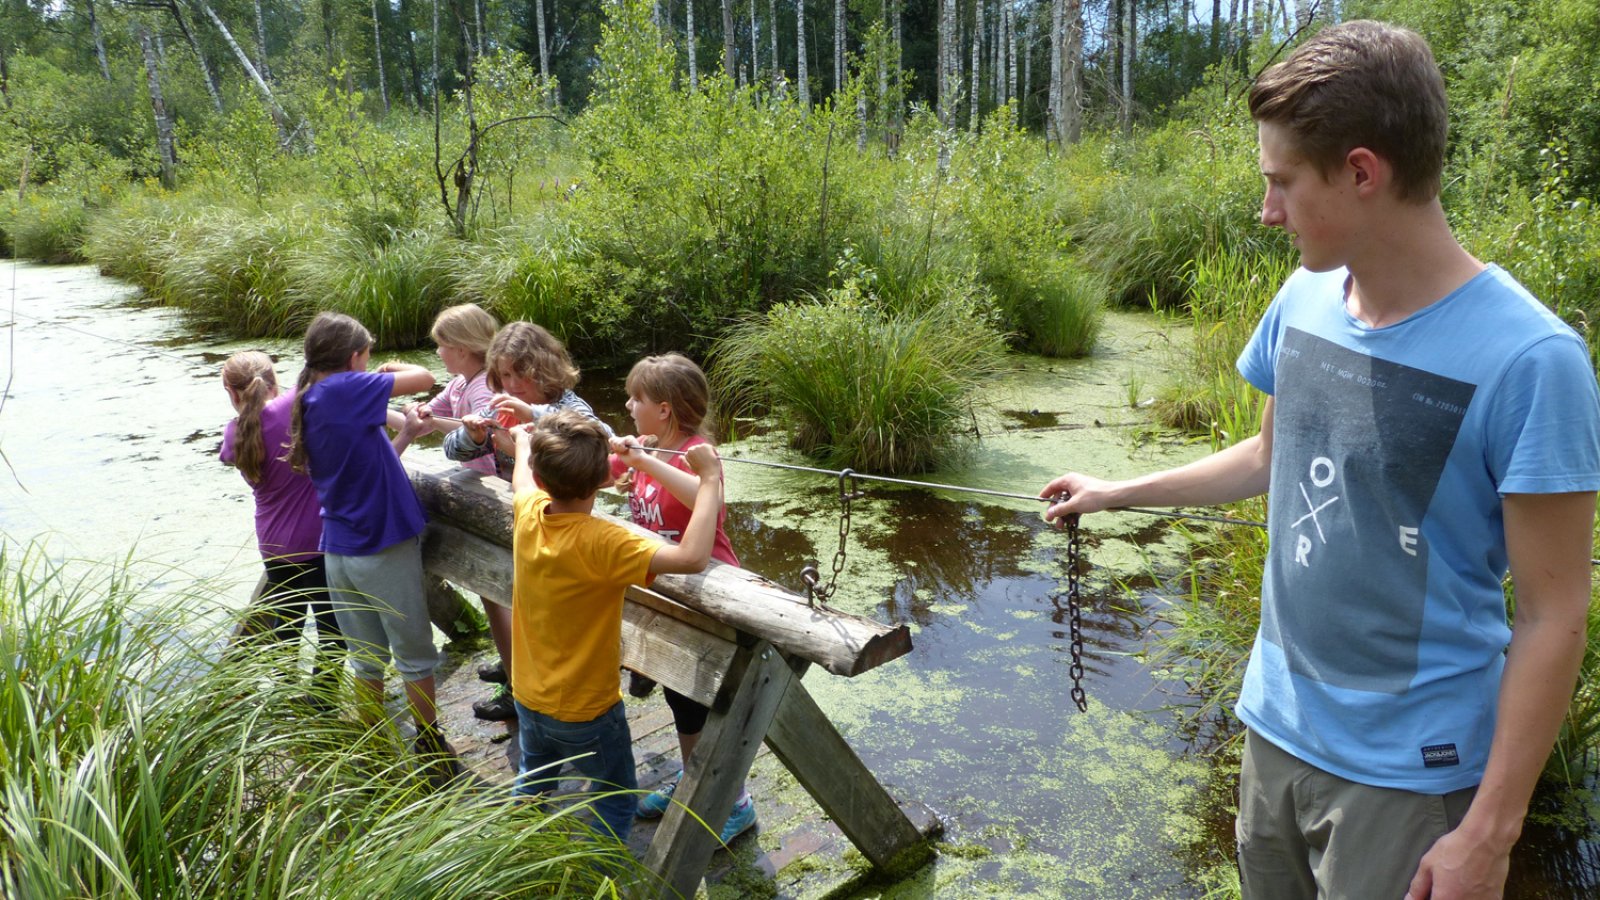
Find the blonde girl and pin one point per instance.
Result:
(372, 521)
(463, 335)
(288, 525)
(669, 401)
(531, 373)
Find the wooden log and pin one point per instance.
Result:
(682, 846)
(843, 644)
(805, 741)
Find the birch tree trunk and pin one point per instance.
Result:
(694, 70)
(977, 66)
(755, 47)
(1130, 19)
(777, 64)
(544, 42)
(165, 144)
(898, 14)
(261, 43)
(1011, 52)
(838, 45)
(377, 52)
(209, 75)
(1054, 124)
(730, 63)
(99, 41)
(801, 78)
(1026, 52)
(276, 111)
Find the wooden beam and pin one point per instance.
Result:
(803, 738)
(712, 776)
(839, 642)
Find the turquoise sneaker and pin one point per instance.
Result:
(655, 804)
(739, 821)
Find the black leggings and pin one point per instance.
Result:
(688, 716)
(294, 592)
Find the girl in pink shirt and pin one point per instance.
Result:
(669, 400)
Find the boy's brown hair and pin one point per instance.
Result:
(570, 455)
(534, 354)
(1362, 84)
(466, 326)
(674, 379)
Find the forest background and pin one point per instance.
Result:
(796, 192)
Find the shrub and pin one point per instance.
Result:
(48, 227)
(861, 387)
(395, 289)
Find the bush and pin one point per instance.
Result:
(49, 227)
(860, 387)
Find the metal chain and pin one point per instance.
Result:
(1074, 610)
(820, 595)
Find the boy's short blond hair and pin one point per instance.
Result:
(1362, 84)
(535, 354)
(466, 326)
(571, 455)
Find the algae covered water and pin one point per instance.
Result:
(109, 431)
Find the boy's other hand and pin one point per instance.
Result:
(477, 427)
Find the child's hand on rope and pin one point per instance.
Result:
(704, 461)
(477, 427)
(1078, 494)
(507, 404)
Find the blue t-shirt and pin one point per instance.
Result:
(1383, 622)
(367, 500)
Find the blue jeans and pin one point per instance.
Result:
(601, 749)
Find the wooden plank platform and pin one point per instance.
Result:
(795, 850)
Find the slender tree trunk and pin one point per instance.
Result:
(1011, 55)
(377, 52)
(977, 65)
(206, 71)
(777, 64)
(838, 45)
(1027, 60)
(276, 111)
(897, 15)
(1216, 29)
(694, 71)
(330, 58)
(730, 62)
(1055, 127)
(1130, 19)
(477, 21)
(755, 47)
(165, 144)
(99, 41)
(544, 42)
(261, 43)
(802, 80)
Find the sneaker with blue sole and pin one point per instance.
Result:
(739, 821)
(655, 804)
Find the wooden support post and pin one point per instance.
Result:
(805, 741)
(682, 846)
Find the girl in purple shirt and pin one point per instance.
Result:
(288, 524)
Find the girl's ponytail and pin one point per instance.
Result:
(250, 378)
(331, 340)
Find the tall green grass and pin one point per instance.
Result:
(132, 764)
(394, 288)
(858, 386)
(48, 227)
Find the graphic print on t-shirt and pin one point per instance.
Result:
(1358, 447)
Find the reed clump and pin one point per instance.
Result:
(135, 764)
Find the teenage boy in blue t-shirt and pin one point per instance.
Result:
(1428, 425)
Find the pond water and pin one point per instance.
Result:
(109, 433)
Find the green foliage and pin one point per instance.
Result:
(238, 152)
(48, 226)
(232, 270)
(394, 288)
(858, 386)
(134, 765)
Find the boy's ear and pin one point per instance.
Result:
(1369, 171)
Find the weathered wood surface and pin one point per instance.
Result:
(839, 642)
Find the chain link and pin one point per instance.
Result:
(816, 595)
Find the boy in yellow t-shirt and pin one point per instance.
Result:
(571, 572)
